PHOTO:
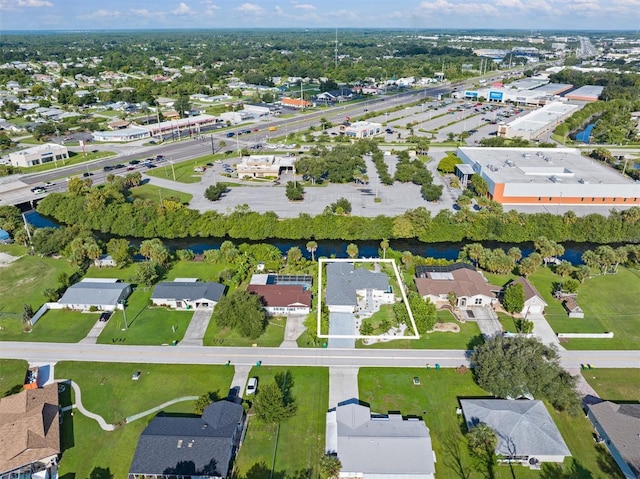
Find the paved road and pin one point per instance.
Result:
(48, 352)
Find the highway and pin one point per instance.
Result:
(52, 352)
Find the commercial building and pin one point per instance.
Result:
(187, 126)
(528, 93)
(361, 129)
(536, 124)
(549, 176)
(39, 155)
(123, 134)
(586, 93)
(263, 166)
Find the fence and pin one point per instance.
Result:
(585, 335)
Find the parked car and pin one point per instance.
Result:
(252, 386)
(104, 317)
(134, 162)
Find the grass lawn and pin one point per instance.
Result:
(300, 440)
(468, 338)
(154, 193)
(12, 374)
(107, 389)
(201, 270)
(74, 159)
(184, 170)
(436, 399)
(615, 384)
(145, 325)
(56, 326)
(272, 337)
(24, 280)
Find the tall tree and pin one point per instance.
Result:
(482, 441)
(513, 299)
(312, 246)
(352, 250)
(384, 246)
(243, 312)
(271, 405)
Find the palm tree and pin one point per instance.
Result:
(384, 245)
(352, 250)
(312, 246)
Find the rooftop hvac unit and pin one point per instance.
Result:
(583, 181)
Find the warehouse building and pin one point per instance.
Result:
(521, 176)
(586, 93)
(536, 124)
(38, 155)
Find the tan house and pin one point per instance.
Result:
(283, 299)
(29, 433)
(533, 302)
(461, 280)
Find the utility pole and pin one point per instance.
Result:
(335, 51)
(26, 227)
(213, 150)
(173, 170)
(124, 313)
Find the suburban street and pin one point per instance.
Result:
(52, 352)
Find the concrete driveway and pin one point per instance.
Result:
(293, 330)
(197, 327)
(543, 331)
(486, 318)
(343, 385)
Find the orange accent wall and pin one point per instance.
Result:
(498, 195)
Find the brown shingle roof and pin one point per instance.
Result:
(464, 282)
(29, 427)
(529, 290)
(280, 296)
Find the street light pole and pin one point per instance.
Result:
(124, 313)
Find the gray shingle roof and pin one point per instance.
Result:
(382, 444)
(191, 446)
(181, 290)
(97, 293)
(621, 422)
(343, 281)
(524, 428)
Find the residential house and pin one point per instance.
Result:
(102, 293)
(618, 425)
(525, 431)
(30, 434)
(105, 260)
(345, 283)
(187, 293)
(533, 302)
(190, 447)
(376, 446)
(459, 281)
(280, 299)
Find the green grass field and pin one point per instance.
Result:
(145, 325)
(615, 384)
(271, 338)
(184, 170)
(56, 326)
(74, 159)
(12, 374)
(436, 400)
(300, 440)
(156, 193)
(107, 389)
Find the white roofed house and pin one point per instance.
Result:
(187, 293)
(533, 302)
(102, 293)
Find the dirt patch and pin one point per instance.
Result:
(447, 327)
(6, 259)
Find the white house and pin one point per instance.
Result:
(102, 293)
(533, 302)
(187, 293)
(105, 260)
(468, 286)
(345, 283)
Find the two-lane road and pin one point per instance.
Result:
(51, 352)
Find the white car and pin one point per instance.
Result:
(252, 386)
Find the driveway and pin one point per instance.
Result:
(342, 324)
(293, 330)
(343, 385)
(197, 327)
(486, 318)
(96, 330)
(543, 331)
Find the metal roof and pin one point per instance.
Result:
(94, 293)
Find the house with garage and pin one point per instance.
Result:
(187, 293)
(525, 431)
(460, 282)
(190, 447)
(105, 261)
(282, 299)
(533, 302)
(345, 284)
(30, 434)
(379, 446)
(618, 428)
(104, 294)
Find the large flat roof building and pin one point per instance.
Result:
(549, 176)
(263, 166)
(361, 129)
(586, 93)
(38, 155)
(539, 122)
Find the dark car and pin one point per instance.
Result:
(86, 173)
(134, 162)
(159, 158)
(104, 317)
(107, 168)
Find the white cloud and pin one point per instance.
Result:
(144, 13)
(15, 4)
(183, 9)
(304, 6)
(100, 14)
(458, 8)
(251, 9)
(210, 7)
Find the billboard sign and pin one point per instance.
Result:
(471, 94)
(495, 95)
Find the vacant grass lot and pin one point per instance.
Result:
(12, 374)
(145, 324)
(184, 170)
(609, 303)
(157, 193)
(615, 384)
(300, 440)
(271, 338)
(107, 389)
(436, 399)
(56, 326)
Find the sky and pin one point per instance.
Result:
(427, 14)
